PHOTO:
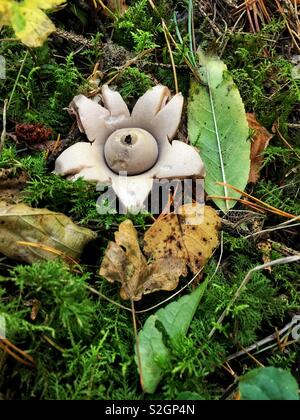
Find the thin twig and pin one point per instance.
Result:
(171, 57)
(256, 200)
(284, 140)
(3, 134)
(9, 40)
(264, 341)
(244, 283)
(252, 357)
(214, 27)
(18, 354)
(270, 230)
(96, 292)
(128, 64)
(105, 8)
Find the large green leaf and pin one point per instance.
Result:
(269, 383)
(154, 355)
(175, 318)
(218, 127)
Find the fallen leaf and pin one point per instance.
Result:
(260, 142)
(124, 262)
(28, 19)
(40, 226)
(175, 319)
(217, 126)
(12, 182)
(173, 237)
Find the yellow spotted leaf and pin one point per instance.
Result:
(31, 25)
(174, 236)
(124, 262)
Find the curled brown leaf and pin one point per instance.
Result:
(172, 244)
(175, 237)
(260, 142)
(124, 262)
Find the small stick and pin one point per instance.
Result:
(3, 134)
(256, 200)
(246, 280)
(47, 248)
(171, 57)
(104, 8)
(18, 354)
(252, 357)
(276, 127)
(262, 342)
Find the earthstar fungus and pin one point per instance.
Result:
(136, 144)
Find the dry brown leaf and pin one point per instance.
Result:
(124, 262)
(173, 237)
(260, 142)
(40, 226)
(12, 181)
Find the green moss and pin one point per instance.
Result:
(44, 88)
(84, 347)
(134, 83)
(138, 21)
(285, 198)
(89, 345)
(264, 78)
(79, 349)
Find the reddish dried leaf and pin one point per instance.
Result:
(260, 142)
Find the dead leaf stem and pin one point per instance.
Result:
(3, 134)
